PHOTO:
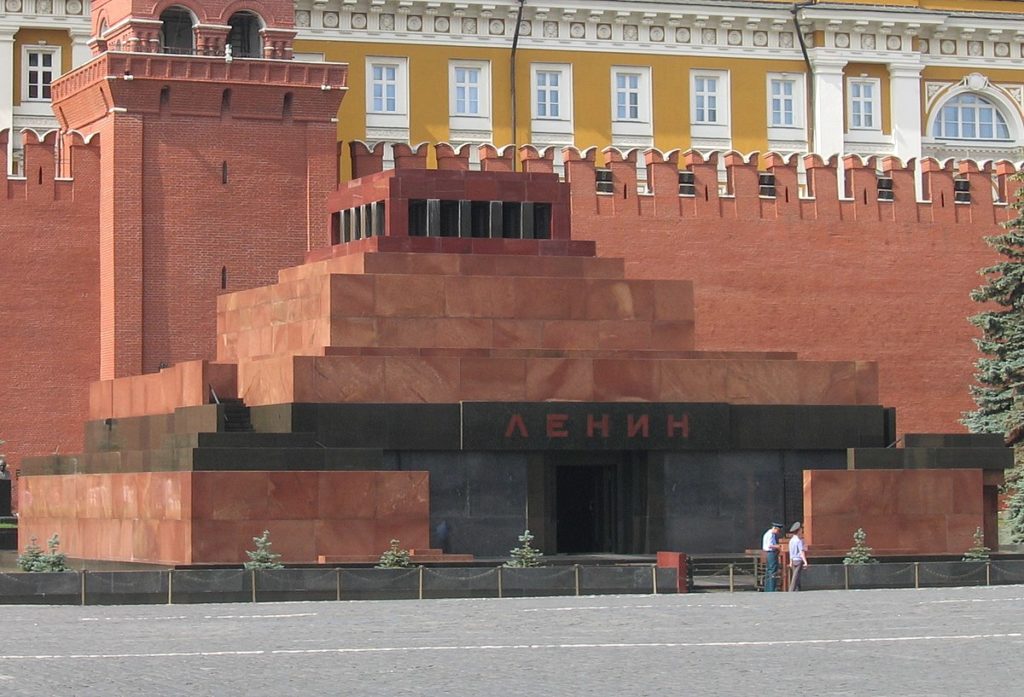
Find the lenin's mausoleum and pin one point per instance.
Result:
(207, 336)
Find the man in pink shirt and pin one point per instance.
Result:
(797, 555)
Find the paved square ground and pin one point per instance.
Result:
(926, 642)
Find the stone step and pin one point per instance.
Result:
(249, 439)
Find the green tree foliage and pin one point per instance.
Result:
(263, 557)
(860, 553)
(1000, 370)
(525, 555)
(978, 551)
(34, 560)
(999, 391)
(395, 558)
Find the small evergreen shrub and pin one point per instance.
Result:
(525, 555)
(34, 560)
(395, 558)
(978, 552)
(860, 553)
(263, 557)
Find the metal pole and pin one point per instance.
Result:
(170, 587)
(917, 575)
(732, 586)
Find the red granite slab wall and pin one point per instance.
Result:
(211, 517)
(833, 278)
(903, 511)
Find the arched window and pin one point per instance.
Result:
(968, 116)
(244, 36)
(176, 35)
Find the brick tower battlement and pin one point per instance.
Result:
(205, 27)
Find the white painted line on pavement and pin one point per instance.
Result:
(514, 647)
(158, 618)
(620, 607)
(971, 600)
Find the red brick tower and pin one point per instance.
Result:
(214, 169)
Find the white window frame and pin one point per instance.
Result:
(716, 132)
(470, 127)
(875, 101)
(991, 104)
(388, 125)
(630, 130)
(791, 137)
(547, 129)
(55, 70)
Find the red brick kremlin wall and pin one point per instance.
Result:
(833, 279)
(49, 296)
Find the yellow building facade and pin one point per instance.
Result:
(911, 78)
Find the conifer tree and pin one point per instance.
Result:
(1000, 371)
(263, 557)
(31, 559)
(395, 558)
(978, 551)
(525, 555)
(860, 553)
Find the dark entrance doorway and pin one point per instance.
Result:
(583, 496)
(590, 502)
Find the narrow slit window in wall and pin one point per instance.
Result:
(223, 278)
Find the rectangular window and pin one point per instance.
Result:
(705, 94)
(467, 91)
(551, 105)
(384, 87)
(632, 122)
(783, 109)
(469, 102)
(864, 104)
(40, 67)
(627, 96)
(387, 100)
(549, 95)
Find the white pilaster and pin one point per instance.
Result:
(828, 107)
(7, 86)
(905, 100)
(80, 51)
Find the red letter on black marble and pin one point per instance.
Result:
(682, 425)
(516, 423)
(601, 425)
(556, 425)
(638, 425)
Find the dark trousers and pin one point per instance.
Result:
(794, 580)
(771, 572)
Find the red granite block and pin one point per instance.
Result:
(693, 380)
(492, 379)
(402, 495)
(441, 264)
(229, 495)
(346, 494)
(626, 380)
(515, 333)
(293, 495)
(571, 334)
(409, 296)
(294, 540)
(354, 331)
(335, 378)
(479, 296)
(427, 379)
(341, 537)
(673, 336)
(407, 331)
(620, 299)
(559, 379)
(623, 334)
(550, 298)
(463, 332)
(352, 296)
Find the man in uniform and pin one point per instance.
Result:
(770, 547)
